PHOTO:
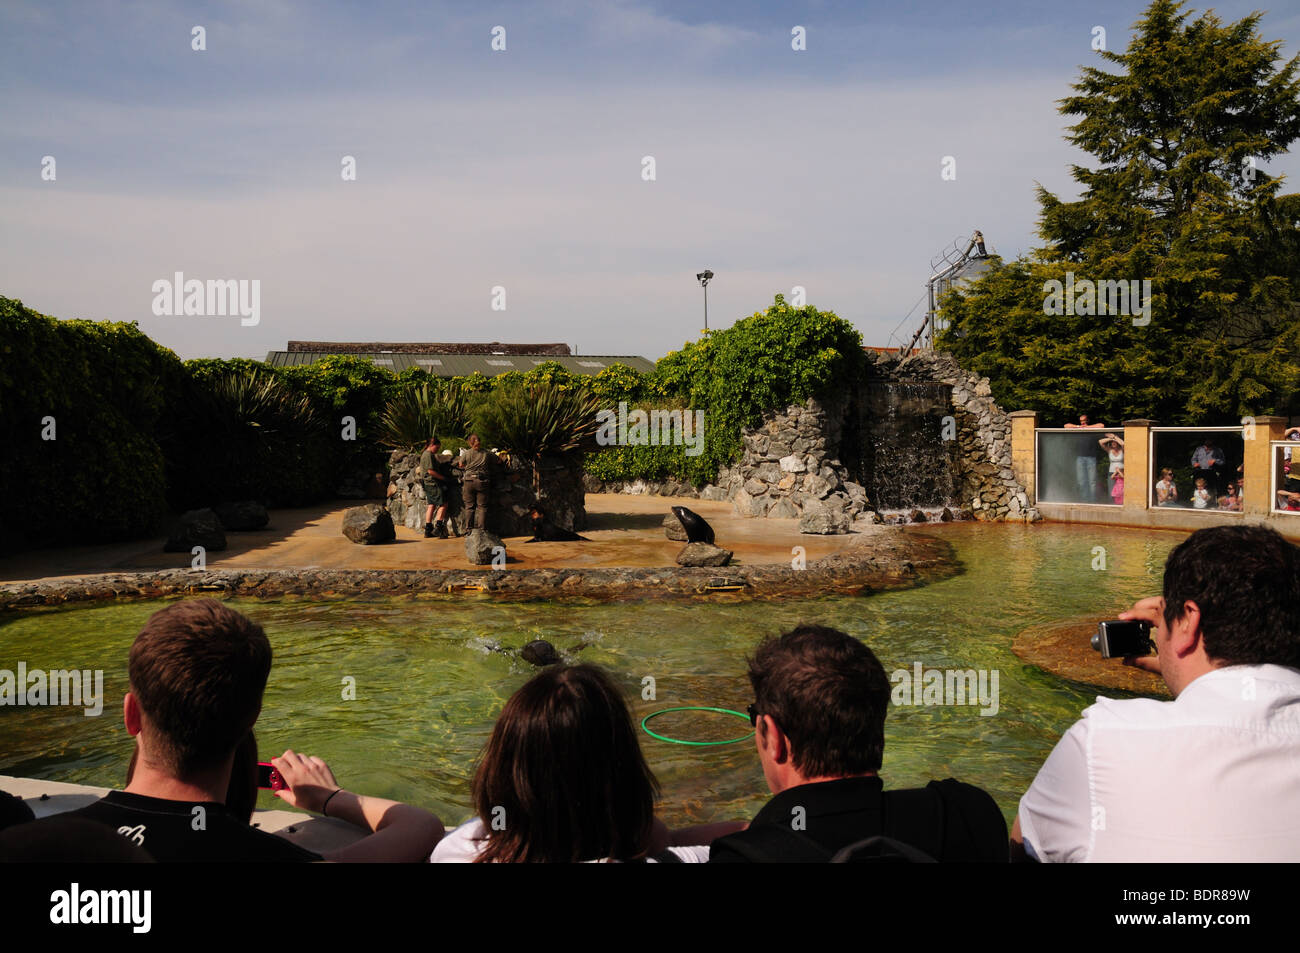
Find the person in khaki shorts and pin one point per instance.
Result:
(476, 463)
(437, 484)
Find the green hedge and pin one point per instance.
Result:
(107, 386)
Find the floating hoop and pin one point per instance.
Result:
(698, 744)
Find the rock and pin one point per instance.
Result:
(746, 506)
(816, 486)
(916, 516)
(673, 528)
(787, 481)
(782, 510)
(703, 554)
(242, 516)
(368, 524)
(792, 464)
(821, 520)
(712, 492)
(481, 546)
(755, 487)
(196, 528)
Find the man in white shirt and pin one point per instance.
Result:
(1215, 774)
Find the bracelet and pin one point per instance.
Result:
(327, 801)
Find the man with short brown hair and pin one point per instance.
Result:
(197, 671)
(820, 701)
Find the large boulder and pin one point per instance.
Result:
(196, 528)
(820, 518)
(242, 516)
(368, 524)
(481, 546)
(703, 554)
(673, 528)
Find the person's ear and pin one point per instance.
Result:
(1185, 632)
(131, 714)
(772, 740)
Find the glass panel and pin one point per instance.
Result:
(1286, 476)
(1073, 467)
(1197, 469)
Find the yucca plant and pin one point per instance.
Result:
(535, 420)
(417, 413)
(253, 427)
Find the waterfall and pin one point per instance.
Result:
(904, 462)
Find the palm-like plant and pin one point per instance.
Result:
(252, 424)
(536, 420)
(417, 413)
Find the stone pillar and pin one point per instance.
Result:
(1138, 481)
(1258, 463)
(1023, 448)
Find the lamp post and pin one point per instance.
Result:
(704, 277)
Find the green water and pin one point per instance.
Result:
(428, 687)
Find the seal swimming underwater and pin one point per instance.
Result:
(539, 652)
(697, 529)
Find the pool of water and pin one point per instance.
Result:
(429, 683)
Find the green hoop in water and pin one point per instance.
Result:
(698, 744)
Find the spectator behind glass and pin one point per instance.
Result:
(1208, 461)
(1117, 487)
(1201, 497)
(1231, 500)
(562, 779)
(1085, 464)
(1166, 490)
(1114, 448)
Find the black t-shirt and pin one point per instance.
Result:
(947, 820)
(173, 831)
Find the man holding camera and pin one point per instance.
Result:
(1213, 775)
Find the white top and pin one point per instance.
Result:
(1201, 498)
(1212, 776)
(463, 844)
(1116, 460)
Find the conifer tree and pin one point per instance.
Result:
(1178, 195)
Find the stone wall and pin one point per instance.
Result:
(791, 466)
(510, 498)
(667, 487)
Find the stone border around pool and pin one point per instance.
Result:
(881, 560)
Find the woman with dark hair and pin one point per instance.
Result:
(562, 779)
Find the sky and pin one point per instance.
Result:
(524, 169)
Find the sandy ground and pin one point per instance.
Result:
(624, 530)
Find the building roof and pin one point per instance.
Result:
(463, 365)
(377, 347)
